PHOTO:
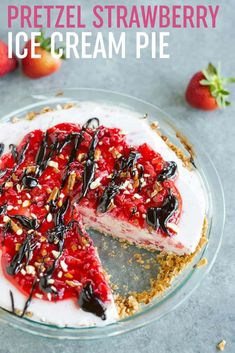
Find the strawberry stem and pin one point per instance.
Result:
(216, 84)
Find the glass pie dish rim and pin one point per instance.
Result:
(195, 276)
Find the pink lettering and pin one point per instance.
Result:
(214, 14)
(188, 16)
(149, 16)
(96, 10)
(13, 13)
(164, 16)
(201, 16)
(58, 23)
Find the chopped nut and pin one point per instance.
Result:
(71, 181)
(17, 246)
(14, 177)
(73, 283)
(136, 184)
(55, 253)
(9, 184)
(23, 272)
(154, 193)
(60, 274)
(53, 195)
(26, 203)
(157, 186)
(18, 188)
(64, 266)
(48, 190)
(137, 196)
(95, 183)
(9, 208)
(49, 217)
(53, 164)
(115, 153)
(30, 231)
(81, 157)
(16, 229)
(59, 203)
(30, 269)
(97, 154)
(31, 169)
(6, 219)
(50, 281)
(221, 345)
(68, 275)
(39, 296)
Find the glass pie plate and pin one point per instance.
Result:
(183, 286)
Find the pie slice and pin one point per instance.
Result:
(70, 171)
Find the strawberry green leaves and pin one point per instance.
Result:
(45, 43)
(216, 84)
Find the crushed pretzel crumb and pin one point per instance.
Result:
(201, 263)
(221, 345)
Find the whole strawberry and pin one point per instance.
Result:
(206, 89)
(43, 66)
(6, 64)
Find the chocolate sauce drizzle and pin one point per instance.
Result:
(28, 223)
(157, 217)
(3, 172)
(2, 146)
(89, 302)
(55, 235)
(168, 172)
(113, 188)
(90, 166)
(14, 152)
(77, 140)
(28, 301)
(141, 175)
(3, 209)
(12, 302)
(18, 158)
(25, 253)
